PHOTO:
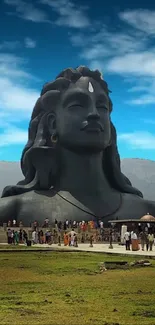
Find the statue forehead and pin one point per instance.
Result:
(88, 84)
(84, 86)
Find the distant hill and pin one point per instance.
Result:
(141, 173)
(10, 174)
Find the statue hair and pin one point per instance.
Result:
(40, 161)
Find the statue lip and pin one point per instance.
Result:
(92, 126)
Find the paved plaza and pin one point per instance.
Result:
(100, 248)
(97, 248)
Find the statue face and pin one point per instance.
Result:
(83, 119)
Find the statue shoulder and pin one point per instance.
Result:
(11, 205)
(8, 207)
(133, 206)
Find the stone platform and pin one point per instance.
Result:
(97, 248)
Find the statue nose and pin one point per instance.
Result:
(94, 116)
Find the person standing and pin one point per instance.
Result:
(20, 224)
(20, 236)
(35, 225)
(56, 224)
(12, 237)
(9, 232)
(127, 240)
(151, 240)
(134, 241)
(16, 236)
(41, 237)
(34, 237)
(69, 240)
(46, 222)
(9, 223)
(65, 239)
(25, 237)
(74, 224)
(14, 222)
(75, 241)
(142, 239)
(67, 223)
(147, 242)
(72, 233)
(64, 225)
(59, 226)
(101, 227)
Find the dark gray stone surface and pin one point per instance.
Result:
(141, 172)
(71, 164)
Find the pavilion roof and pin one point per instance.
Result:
(132, 221)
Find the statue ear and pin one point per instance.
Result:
(49, 103)
(51, 122)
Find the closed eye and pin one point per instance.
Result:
(101, 106)
(75, 105)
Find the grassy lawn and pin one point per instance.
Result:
(59, 288)
(21, 247)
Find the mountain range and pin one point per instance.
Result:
(141, 173)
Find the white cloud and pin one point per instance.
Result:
(9, 45)
(12, 66)
(129, 53)
(77, 39)
(13, 45)
(142, 100)
(17, 98)
(97, 64)
(111, 52)
(30, 43)
(70, 14)
(137, 89)
(105, 43)
(141, 19)
(13, 136)
(138, 64)
(121, 42)
(144, 88)
(138, 140)
(97, 51)
(28, 11)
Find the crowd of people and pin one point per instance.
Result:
(70, 239)
(68, 232)
(59, 225)
(145, 238)
(52, 232)
(41, 237)
(17, 237)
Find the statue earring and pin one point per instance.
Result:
(54, 138)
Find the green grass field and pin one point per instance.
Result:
(59, 288)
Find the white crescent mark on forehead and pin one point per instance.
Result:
(90, 87)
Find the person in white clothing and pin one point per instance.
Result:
(14, 223)
(134, 235)
(127, 240)
(72, 234)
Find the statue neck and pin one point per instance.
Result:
(83, 172)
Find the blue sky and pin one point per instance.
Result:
(38, 40)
